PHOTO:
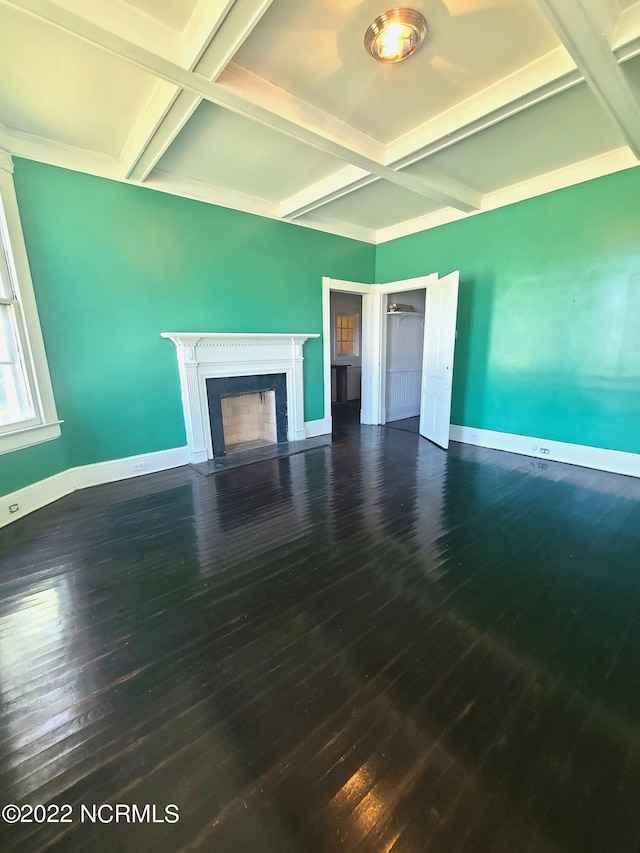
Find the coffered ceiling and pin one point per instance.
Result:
(274, 107)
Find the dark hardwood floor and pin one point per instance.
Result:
(373, 646)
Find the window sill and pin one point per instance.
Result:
(28, 436)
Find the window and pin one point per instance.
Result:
(347, 336)
(27, 408)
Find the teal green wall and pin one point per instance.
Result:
(548, 329)
(114, 265)
(549, 312)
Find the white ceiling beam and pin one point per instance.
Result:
(213, 42)
(606, 13)
(283, 119)
(138, 26)
(325, 190)
(542, 79)
(365, 154)
(580, 32)
(626, 36)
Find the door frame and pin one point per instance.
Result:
(420, 283)
(367, 355)
(373, 343)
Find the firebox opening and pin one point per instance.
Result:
(249, 420)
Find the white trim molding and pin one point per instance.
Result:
(45, 424)
(312, 429)
(37, 495)
(207, 355)
(614, 461)
(30, 498)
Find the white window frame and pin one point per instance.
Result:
(45, 425)
(355, 358)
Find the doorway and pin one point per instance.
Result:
(403, 346)
(440, 308)
(346, 354)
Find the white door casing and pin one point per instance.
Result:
(437, 370)
(435, 399)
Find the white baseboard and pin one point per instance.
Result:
(615, 461)
(402, 414)
(46, 491)
(30, 498)
(319, 427)
(369, 417)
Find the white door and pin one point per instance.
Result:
(437, 370)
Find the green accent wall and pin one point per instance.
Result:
(114, 265)
(548, 315)
(548, 323)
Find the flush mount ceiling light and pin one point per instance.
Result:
(395, 35)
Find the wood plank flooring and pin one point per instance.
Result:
(373, 646)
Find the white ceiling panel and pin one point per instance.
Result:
(314, 49)
(631, 71)
(302, 119)
(173, 13)
(563, 130)
(226, 150)
(377, 206)
(59, 87)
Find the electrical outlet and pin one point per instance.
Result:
(13, 508)
(139, 466)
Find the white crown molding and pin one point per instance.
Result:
(336, 227)
(235, 200)
(579, 30)
(93, 163)
(568, 176)
(6, 163)
(60, 154)
(168, 182)
(420, 223)
(576, 173)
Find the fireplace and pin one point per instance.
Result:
(247, 411)
(203, 356)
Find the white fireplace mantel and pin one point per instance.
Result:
(208, 355)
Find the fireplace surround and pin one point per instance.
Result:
(208, 355)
